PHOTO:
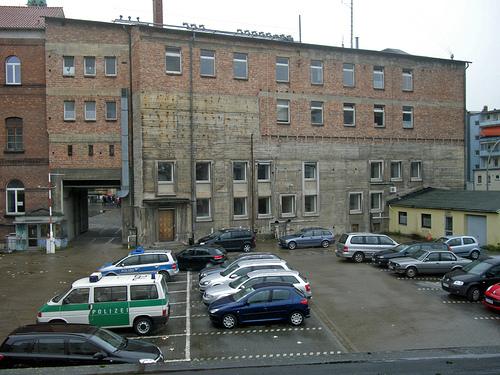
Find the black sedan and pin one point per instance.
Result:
(381, 258)
(473, 279)
(197, 257)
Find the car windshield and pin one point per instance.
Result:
(117, 261)
(242, 293)
(228, 270)
(477, 267)
(214, 234)
(419, 254)
(240, 280)
(58, 296)
(111, 341)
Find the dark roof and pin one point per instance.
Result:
(395, 50)
(455, 200)
(55, 328)
(27, 17)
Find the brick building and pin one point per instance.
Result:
(24, 163)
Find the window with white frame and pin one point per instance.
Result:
(349, 114)
(264, 206)
(402, 218)
(89, 66)
(165, 172)
(68, 66)
(376, 170)
(263, 171)
(240, 65)
(239, 171)
(240, 207)
(407, 80)
(348, 74)
(287, 205)
(310, 169)
(69, 110)
(282, 70)
(379, 115)
(203, 171)
(14, 129)
(110, 66)
(203, 208)
(407, 117)
(396, 170)
(316, 72)
(310, 204)
(416, 171)
(90, 111)
(207, 63)
(111, 111)
(355, 203)
(378, 77)
(173, 60)
(283, 111)
(15, 198)
(316, 113)
(12, 70)
(376, 201)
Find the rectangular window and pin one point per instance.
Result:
(283, 111)
(282, 71)
(349, 114)
(143, 292)
(14, 127)
(68, 66)
(15, 200)
(89, 66)
(355, 203)
(287, 205)
(402, 218)
(316, 72)
(111, 150)
(317, 113)
(240, 65)
(310, 171)
(310, 204)
(239, 171)
(91, 150)
(416, 171)
(207, 63)
(203, 208)
(240, 207)
(379, 115)
(69, 110)
(110, 294)
(110, 66)
(348, 74)
(407, 80)
(264, 171)
(110, 110)
(396, 170)
(479, 179)
(12, 71)
(264, 206)
(203, 171)
(165, 172)
(426, 221)
(407, 117)
(378, 77)
(376, 170)
(70, 150)
(173, 61)
(90, 111)
(448, 226)
(376, 201)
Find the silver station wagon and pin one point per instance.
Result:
(361, 246)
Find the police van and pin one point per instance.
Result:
(138, 301)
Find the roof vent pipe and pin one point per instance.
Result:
(357, 42)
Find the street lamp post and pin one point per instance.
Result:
(50, 245)
(488, 164)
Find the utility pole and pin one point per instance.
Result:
(50, 245)
(352, 22)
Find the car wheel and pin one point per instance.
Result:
(325, 243)
(358, 257)
(474, 255)
(296, 318)
(474, 294)
(143, 326)
(229, 321)
(411, 272)
(247, 248)
(165, 275)
(292, 245)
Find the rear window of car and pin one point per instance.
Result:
(343, 238)
(357, 240)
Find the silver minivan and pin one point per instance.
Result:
(360, 246)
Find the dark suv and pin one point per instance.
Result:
(238, 239)
(58, 344)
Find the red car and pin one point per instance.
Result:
(492, 297)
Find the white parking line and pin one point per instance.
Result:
(188, 318)
(487, 317)
(273, 355)
(177, 282)
(177, 291)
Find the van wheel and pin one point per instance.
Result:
(296, 318)
(292, 245)
(358, 257)
(165, 275)
(474, 255)
(473, 294)
(229, 321)
(111, 274)
(411, 272)
(143, 326)
(247, 248)
(325, 244)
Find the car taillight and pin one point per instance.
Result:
(164, 312)
(346, 249)
(218, 257)
(304, 301)
(174, 266)
(39, 314)
(308, 287)
(1, 357)
(449, 247)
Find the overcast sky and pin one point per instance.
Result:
(468, 29)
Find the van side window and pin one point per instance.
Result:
(110, 294)
(131, 261)
(357, 240)
(80, 295)
(141, 292)
(371, 240)
(162, 258)
(148, 258)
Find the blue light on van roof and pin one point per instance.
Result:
(137, 250)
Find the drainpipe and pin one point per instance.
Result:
(466, 137)
(131, 130)
(191, 142)
(252, 185)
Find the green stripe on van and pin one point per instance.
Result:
(148, 302)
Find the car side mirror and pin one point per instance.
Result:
(233, 276)
(65, 301)
(99, 355)
(122, 265)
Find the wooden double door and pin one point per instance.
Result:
(166, 220)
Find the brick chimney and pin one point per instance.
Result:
(485, 108)
(158, 12)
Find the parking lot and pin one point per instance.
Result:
(355, 307)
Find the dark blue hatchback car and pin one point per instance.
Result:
(261, 303)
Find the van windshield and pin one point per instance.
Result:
(58, 296)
